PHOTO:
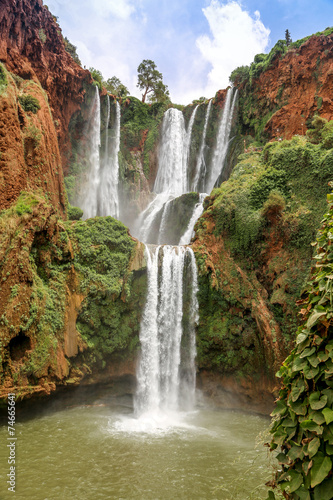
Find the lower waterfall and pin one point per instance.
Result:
(166, 370)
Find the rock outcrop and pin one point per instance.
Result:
(297, 85)
(32, 47)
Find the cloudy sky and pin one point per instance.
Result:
(194, 43)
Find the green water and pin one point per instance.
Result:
(101, 452)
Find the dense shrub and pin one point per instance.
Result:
(74, 213)
(29, 103)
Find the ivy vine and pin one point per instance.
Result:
(302, 426)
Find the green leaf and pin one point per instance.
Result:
(328, 414)
(310, 371)
(314, 318)
(282, 458)
(313, 446)
(321, 467)
(295, 452)
(280, 408)
(298, 364)
(303, 493)
(299, 407)
(297, 390)
(329, 449)
(301, 337)
(311, 426)
(314, 360)
(322, 356)
(317, 402)
(279, 436)
(307, 352)
(296, 481)
(271, 496)
(324, 491)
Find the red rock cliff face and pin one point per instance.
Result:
(296, 87)
(32, 47)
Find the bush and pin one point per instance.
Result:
(271, 180)
(3, 78)
(29, 103)
(74, 213)
(25, 203)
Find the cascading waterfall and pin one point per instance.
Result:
(166, 372)
(187, 144)
(198, 209)
(91, 198)
(222, 142)
(108, 192)
(172, 176)
(166, 369)
(200, 171)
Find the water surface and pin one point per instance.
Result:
(100, 451)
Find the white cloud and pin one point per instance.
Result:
(122, 9)
(236, 38)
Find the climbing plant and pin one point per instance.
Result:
(302, 427)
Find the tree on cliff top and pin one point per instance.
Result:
(151, 81)
(288, 38)
(116, 88)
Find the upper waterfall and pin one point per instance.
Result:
(109, 176)
(90, 201)
(171, 175)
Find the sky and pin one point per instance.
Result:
(195, 44)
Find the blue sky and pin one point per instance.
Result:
(194, 43)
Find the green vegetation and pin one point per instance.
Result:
(29, 103)
(151, 82)
(103, 249)
(263, 220)
(116, 88)
(262, 62)
(302, 427)
(74, 213)
(71, 49)
(42, 35)
(97, 77)
(137, 119)
(3, 78)
(25, 203)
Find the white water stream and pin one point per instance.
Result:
(108, 194)
(90, 201)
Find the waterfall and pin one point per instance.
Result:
(166, 371)
(222, 141)
(197, 211)
(200, 171)
(187, 144)
(108, 192)
(172, 176)
(91, 197)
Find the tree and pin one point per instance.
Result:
(160, 93)
(288, 38)
(151, 81)
(116, 88)
(71, 49)
(97, 77)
